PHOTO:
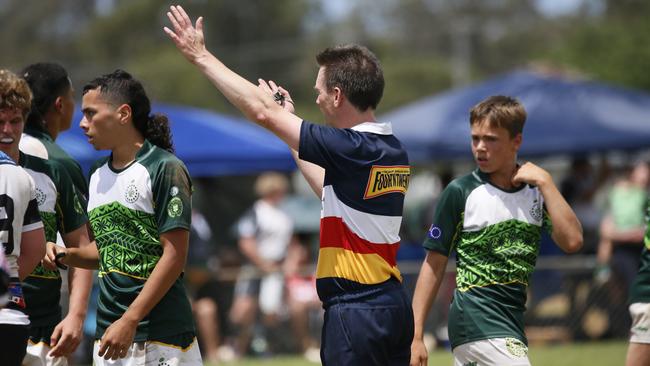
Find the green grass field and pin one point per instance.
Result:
(577, 354)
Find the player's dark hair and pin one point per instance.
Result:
(47, 81)
(120, 87)
(356, 71)
(500, 111)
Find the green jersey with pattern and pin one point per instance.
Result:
(640, 291)
(129, 209)
(61, 211)
(496, 235)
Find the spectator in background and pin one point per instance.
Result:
(264, 234)
(302, 296)
(579, 188)
(204, 306)
(623, 227)
(621, 240)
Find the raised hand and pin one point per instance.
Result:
(271, 88)
(188, 39)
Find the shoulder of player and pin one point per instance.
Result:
(11, 169)
(37, 164)
(57, 153)
(466, 183)
(158, 159)
(53, 168)
(15, 179)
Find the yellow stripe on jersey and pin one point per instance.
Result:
(368, 269)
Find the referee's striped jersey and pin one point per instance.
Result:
(366, 177)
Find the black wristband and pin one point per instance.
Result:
(56, 260)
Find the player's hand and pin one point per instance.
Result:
(117, 339)
(51, 250)
(419, 354)
(66, 336)
(188, 39)
(271, 88)
(530, 173)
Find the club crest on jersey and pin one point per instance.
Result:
(175, 207)
(536, 211)
(40, 197)
(131, 195)
(387, 179)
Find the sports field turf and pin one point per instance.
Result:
(575, 354)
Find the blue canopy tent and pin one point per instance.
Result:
(564, 117)
(209, 143)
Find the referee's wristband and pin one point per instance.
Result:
(57, 262)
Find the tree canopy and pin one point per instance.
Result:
(425, 46)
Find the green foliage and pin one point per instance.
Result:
(425, 46)
(409, 77)
(615, 50)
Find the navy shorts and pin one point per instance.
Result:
(375, 328)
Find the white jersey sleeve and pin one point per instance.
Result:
(18, 211)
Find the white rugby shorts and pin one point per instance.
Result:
(492, 352)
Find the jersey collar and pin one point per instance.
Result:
(375, 127)
(38, 132)
(144, 150)
(485, 178)
(5, 159)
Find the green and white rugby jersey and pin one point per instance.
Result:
(128, 210)
(61, 210)
(37, 142)
(496, 235)
(640, 291)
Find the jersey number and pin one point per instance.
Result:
(6, 223)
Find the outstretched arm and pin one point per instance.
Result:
(86, 256)
(253, 102)
(567, 231)
(314, 174)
